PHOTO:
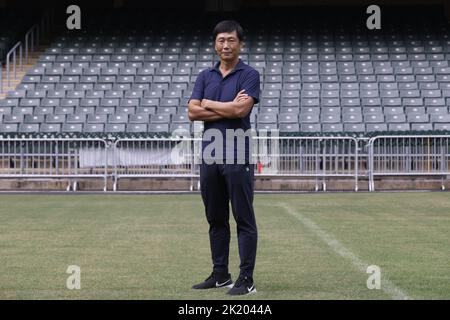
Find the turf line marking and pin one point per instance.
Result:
(387, 286)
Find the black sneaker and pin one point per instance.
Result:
(215, 281)
(243, 286)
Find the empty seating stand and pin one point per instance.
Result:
(136, 74)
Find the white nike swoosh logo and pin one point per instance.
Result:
(221, 284)
(251, 288)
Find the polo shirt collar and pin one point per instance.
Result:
(240, 65)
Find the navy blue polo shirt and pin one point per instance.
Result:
(210, 84)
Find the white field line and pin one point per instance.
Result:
(392, 290)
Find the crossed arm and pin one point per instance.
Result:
(209, 110)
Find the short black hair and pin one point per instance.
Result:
(228, 26)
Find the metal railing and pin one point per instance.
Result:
(37, 31)
(417, 155)
(31, 37)
(363, 156)
(287, 157)
(54, 158)
(13, 51)
(1, 78)
(31, 41)
(155, 158)
(318, 157)
(179, 157)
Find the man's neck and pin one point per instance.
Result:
(227, 66)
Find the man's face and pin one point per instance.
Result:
(228, 46)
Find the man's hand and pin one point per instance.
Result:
(205, 103)
(241, 96)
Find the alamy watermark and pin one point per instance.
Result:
(74, 280)
(233, 147)
(374, 280)
(374, 20)
(73, 22)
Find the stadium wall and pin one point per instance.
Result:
(261, 184)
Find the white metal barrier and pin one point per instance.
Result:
(363, 156)
(156, 158)
(408, 155)
(179, 157)
(62, 158)
(318, 157)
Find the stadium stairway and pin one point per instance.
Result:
(32, 59)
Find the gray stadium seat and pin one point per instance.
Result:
(94, 127)
(370, 127)
(116, 127)
(158, 127)
(310, 127)
(136, 127)
(28, 127)
(8, 127)
(50, 127)
(289, 127)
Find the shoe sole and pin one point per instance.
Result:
(252, 292)
(229, 286)
(245, 294)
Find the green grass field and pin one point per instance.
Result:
(311, 246)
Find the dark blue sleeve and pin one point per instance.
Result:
(251, 85)
(198, 91)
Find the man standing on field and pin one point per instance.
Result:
(223, 97)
